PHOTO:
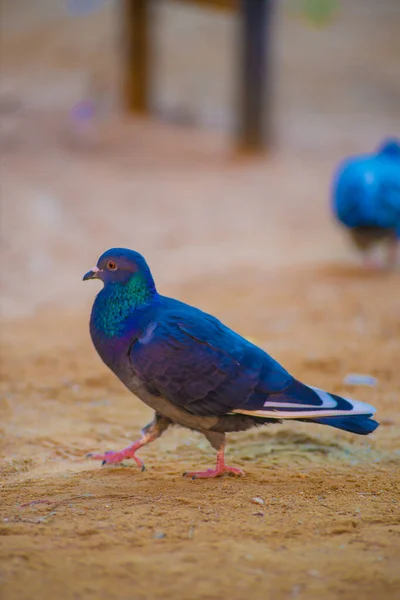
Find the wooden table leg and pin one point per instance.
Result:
(137, 55)
(254, 107)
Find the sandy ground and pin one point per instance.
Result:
(255, 245)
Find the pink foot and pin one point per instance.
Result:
(218, 472)
(392, 254)
(112, 458)
(151, 432)
(371, 264)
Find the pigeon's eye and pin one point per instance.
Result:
(112, 265)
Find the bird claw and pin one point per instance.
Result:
(371, 264)
(218, 472)
(111, 458)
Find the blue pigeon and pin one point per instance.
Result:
(366, 198)
(193, 370)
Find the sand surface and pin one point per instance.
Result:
(254, 244)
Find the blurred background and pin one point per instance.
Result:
(81, 172)
(147, 124)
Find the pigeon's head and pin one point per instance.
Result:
(390, 147)
(121, 266)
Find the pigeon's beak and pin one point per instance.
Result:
(92, 274)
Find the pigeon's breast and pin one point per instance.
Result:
(113, 351)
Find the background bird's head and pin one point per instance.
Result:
(121, 266)
(390, 147)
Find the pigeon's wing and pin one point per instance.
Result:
(198, 363)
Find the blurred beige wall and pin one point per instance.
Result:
(173, 195)
(347, 71)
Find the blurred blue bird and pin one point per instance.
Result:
(193, 370)
(366, 198)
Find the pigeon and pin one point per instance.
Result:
(366, 199)
(194, 371)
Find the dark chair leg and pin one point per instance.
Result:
(254, 110)
(137, 50)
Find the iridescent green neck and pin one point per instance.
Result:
(116, 303)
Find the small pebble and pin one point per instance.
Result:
(358, 379)
(258, 500)
(159, 535)
(296, 589)
(313, 573)
(103, 402)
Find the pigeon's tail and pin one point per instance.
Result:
(305, 403)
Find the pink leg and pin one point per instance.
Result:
(392, 251)
(371, 264)
(149, 433)
(219, 470)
